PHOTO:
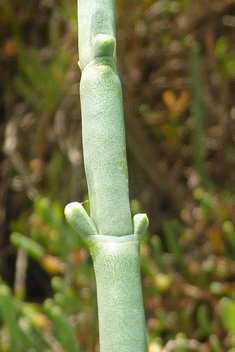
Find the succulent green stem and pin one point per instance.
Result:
(119, 292)
(103, 128)
(94, 17)
(109, 230)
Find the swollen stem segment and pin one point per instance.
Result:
(109, 230)
(104, 141)
(119, 290)
(119, 293)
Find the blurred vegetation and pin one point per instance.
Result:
(177, 63)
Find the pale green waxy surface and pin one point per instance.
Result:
(104, 45)
(141, 222)
(119, 293)
(103, 128)
(104, 150)
(94, 17)
(78, 218)
(114, 250)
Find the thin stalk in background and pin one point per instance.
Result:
(198, 116)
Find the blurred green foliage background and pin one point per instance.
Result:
(176, 60)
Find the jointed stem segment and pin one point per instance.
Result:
(109, 231)
(119, 293)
